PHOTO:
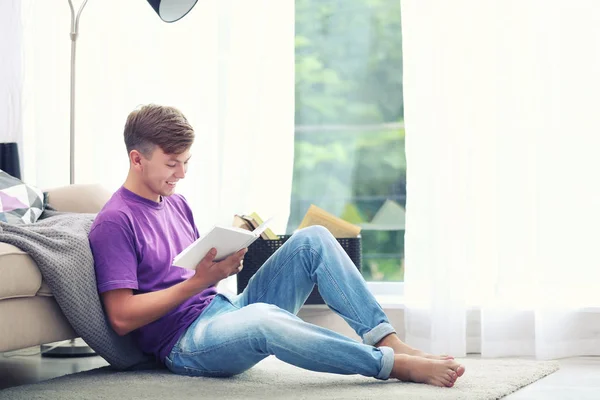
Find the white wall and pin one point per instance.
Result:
(11, 76)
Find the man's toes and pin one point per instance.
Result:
(449, 376)
(447, 382)
(460, 370)
(453, 376)
(438, 382)
(447, 357)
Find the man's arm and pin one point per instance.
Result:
(128, 312)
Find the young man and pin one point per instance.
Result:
(177, 315)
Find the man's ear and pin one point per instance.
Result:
(135, 158)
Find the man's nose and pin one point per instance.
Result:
(181, 170)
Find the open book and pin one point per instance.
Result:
(227, 240)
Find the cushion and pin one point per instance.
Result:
(19, 274)
(30, 321)
(79, 198)
(19, 203)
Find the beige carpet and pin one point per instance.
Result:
(272, 379)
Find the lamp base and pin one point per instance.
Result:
(75, 348)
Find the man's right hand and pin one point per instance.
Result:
(210, 272)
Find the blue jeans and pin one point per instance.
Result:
(233, 334)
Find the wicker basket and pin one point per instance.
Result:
(261, 250)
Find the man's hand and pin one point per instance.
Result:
(211, 273)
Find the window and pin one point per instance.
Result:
(349, 136)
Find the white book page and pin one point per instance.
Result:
(227, 240)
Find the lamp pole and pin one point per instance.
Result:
(74, 34)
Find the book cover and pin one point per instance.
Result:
(337, 226)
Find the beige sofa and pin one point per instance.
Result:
(29, 315)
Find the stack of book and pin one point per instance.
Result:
(314, 216)
(251, 222)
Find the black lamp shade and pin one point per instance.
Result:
(9, 159)
(172, 10)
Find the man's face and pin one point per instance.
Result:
(161, 172)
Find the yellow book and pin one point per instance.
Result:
(267, 234)
(337, 226)
(253, 224)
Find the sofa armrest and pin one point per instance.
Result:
(79, 198)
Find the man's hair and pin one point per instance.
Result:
(153, 125)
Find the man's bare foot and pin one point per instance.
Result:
(400, 347)
(424, 370)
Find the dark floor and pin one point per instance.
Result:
(20, 370)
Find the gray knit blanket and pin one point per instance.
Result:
(58, 243)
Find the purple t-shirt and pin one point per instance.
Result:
(134, 241)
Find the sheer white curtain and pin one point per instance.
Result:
(11, 76)
(228, 65)
(502, 148)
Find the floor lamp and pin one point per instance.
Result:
(168, 11)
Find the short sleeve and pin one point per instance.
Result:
(115, 257)
(189, 215)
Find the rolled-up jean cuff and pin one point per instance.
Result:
(376, 334)
(387, 362)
